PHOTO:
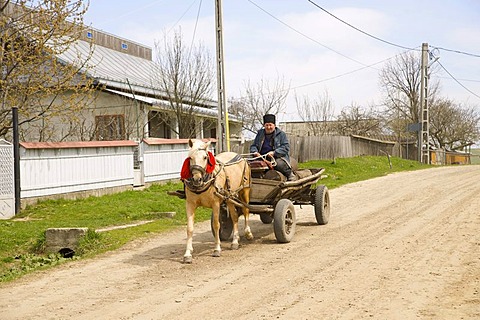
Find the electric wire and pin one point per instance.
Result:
(181, 17)
(195, 28)
(331, 78)
(367, 34)
(461, 84)
(130, 12)
(359, 30)
(458, 51)
(306, 36)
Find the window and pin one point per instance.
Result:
(159, 125)
(110, 127)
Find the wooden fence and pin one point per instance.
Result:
(329, 147)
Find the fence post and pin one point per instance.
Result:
(16, 159)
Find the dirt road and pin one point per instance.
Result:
(405, 246)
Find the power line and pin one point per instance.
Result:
(334, 77)
(181, 17)
(458, 51)
(130, 12)
(451, 76)
(196, 25)
(359, 30)
(304, 35)
(460, 79)
(385, 41)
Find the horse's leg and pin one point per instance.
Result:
(216, 228)
(234, 216)
(246, 213)
(187, 257)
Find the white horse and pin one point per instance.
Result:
(209, 181)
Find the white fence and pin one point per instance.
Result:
(56, 168)
(48, 169)
(7, 186)
(163, 158)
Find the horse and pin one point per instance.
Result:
(209, 181)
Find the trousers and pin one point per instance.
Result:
(283, 166)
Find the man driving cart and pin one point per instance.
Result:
(272, 141)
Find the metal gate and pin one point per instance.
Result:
(7, 182)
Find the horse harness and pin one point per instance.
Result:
(209, 178)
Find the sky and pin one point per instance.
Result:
(314, 52)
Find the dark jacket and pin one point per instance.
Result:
(281, 145)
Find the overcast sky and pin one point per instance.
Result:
(312, 50)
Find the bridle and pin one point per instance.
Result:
(208, 175)
(196, 167)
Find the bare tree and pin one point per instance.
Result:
(185, 76)
(316, 113)
(33, 34)
(400, 80)
(357, 120)
(452, 126)
(259, 99)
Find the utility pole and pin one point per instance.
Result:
(223, 134)
(424, 137)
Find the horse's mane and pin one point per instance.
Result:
(196, 144)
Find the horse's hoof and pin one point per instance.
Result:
(249, 236)
(216, 253)
(187, 259)
(234, 246)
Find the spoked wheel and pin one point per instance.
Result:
(284, 221)
(266, 218)
(322, 205)
(226, 224)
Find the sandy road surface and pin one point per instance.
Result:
(405, 246)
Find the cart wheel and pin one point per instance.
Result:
(266, 218)
(284, 221)
(322, 205)
(226, 224)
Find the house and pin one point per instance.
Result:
(126, 103)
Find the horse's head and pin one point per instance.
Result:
(202, 161)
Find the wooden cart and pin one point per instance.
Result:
(274, 199)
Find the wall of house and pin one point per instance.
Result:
(82, 125)
(111, 41)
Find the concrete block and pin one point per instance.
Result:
(63, 239)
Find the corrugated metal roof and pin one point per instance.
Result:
(109, 64)
(116, 69)
(163, 105)
(127, 74)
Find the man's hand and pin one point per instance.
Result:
(271, 154)
(256, 154)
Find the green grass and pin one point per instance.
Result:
(349, 170)
(23, 237)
